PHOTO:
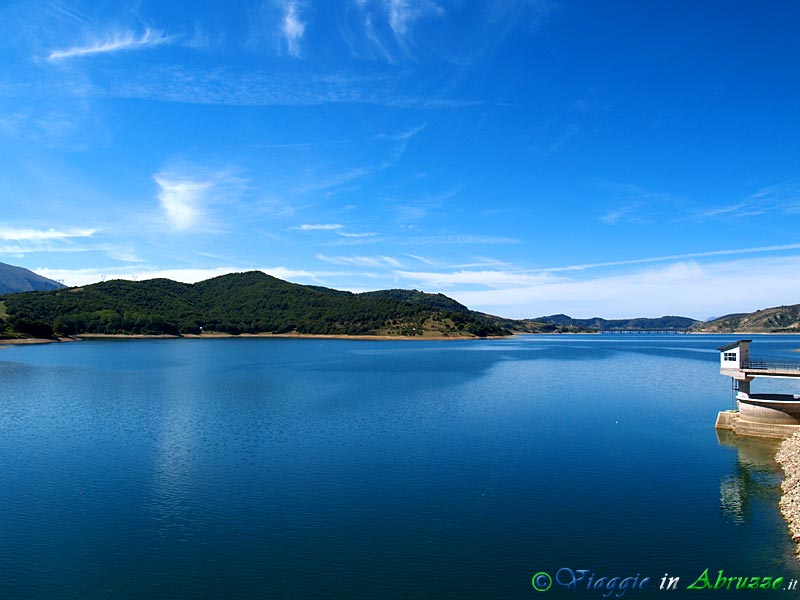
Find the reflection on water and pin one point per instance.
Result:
(367, 469)
(754, 476)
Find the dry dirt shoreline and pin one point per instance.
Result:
(121, 336)
(30, 341)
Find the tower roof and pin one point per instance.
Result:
(733, 345)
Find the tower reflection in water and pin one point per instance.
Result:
(754, 476)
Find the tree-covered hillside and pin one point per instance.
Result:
(250, 302)
(778, 319)
(439, 301)
(638, 324)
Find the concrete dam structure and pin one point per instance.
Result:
(758, 415)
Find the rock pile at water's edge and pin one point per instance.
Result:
(788, 456)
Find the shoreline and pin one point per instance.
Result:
(310, 336)
(744, 333)
(320, 336)
(337, 336)
(210, 336)
(32, 341)
(788, 457)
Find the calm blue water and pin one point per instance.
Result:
(253, 468)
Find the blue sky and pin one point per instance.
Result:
(525, 157)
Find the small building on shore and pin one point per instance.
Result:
(757, 415)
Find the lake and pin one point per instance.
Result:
(307, 468)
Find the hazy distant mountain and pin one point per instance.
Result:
(16, 279)
(779, 319)
(638, 324)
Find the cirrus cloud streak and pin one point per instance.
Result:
(115, 42)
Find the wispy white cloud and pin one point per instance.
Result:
(516, 277)
(292, 27)
(361, 261)
(230, 86)
(27, 234)
(672, 257)
(188, 196)
(402, 14)
(114, 42)
(560, 129)
(401, 136)
(120, 253)
(361, 32)
(421, 207)
(19, 241)
(357, 240)
(374, 39)
(779, 198)
(462, 239)
(483, 262)
(336, 227)
(64, 11)
(616, 215)
(490, 279)
(350, 234)
(64, 125)
(393, 154)
(319, 227)
(275, 207)
(638, 205)
(738, 210)
(685, 288)
(423, 260)
(182, 200)
(561, 135)
(20, 249)
(384, 29)
(333, 181)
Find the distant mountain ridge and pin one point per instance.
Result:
(667, 323)
(778, 319)
(18, 279)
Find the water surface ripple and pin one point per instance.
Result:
(309, 468)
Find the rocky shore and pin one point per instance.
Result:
(788, 456)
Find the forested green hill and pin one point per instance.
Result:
(251, 302)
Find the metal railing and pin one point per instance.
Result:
(758, 365)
